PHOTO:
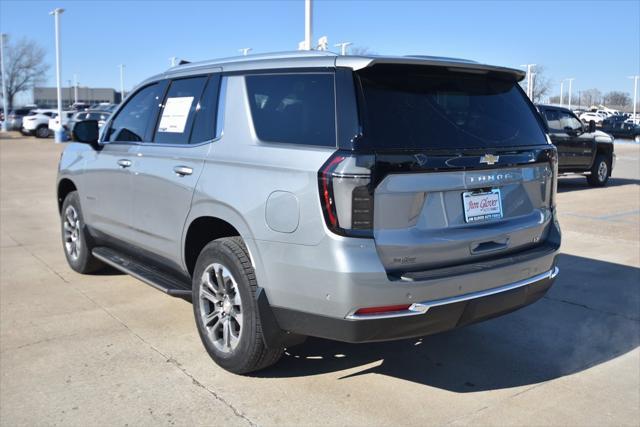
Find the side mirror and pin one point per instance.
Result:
(86, 132)
(592, 127)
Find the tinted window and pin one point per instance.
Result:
(132, 121)
(178, 111)
(419, 107)
(204, 125)
(568, 121)
(553, 119)
(293, 108)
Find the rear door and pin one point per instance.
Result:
(435, 219)
(458, 174)
(167, 169)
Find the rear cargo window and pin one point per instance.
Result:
(293, 108)
(410, 107)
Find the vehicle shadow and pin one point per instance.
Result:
(590, 315)
(107, 270)
(577, 182)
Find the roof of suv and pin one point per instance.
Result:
(324, 59)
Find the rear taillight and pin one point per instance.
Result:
(346, 194)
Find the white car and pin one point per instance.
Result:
(592, 117)
(37, 122)
(54, 121)
(631, 119)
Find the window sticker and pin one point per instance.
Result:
(175, 114)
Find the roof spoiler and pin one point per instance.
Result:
(361, 62)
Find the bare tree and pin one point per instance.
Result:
(591, 97)
(541, 84)
(24, 66)
(555, 99)
(617, 98)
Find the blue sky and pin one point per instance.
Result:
(596, 42)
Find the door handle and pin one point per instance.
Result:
(124, 163)
(182, 170)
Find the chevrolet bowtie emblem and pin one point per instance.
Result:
(489, 159)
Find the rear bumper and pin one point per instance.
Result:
(424, 318)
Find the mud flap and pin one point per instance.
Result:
(272, 335)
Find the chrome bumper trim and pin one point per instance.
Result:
(419, 308)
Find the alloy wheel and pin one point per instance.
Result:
(603, 170)
(221, 307)
(72, 242)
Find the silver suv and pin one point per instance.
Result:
(307, 194)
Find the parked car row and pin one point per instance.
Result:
(42, 123)
(600, 116)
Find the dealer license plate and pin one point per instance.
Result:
(482, 206)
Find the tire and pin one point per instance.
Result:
(227, 317)
(600, 171)
(76, 242)
(42, 131)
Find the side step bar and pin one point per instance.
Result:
(146, 273)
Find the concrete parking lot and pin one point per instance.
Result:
(110, 350)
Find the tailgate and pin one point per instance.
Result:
(420, 221)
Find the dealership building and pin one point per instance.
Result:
(47, 97)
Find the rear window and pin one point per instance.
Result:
(409, 107)
(293, 108)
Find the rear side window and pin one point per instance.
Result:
(420, 107)
(134, 118)
(179, 110)
(204, 125)
(293, 108)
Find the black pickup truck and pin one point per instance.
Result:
(581, 148)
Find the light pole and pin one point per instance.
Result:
(533, 85)
(529, 66)
(571, 79)
(308, 18)
(75, 88)
(5, 103)
(59, 134)
(245, 51)
(68, 93)
(635, 97)
(561, 92)
(343, 47)
(121, 83)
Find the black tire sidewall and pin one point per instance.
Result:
(40, 132)
(218, 252)
(594, 178)
(84, 263)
